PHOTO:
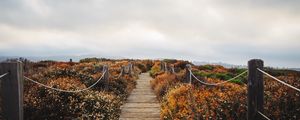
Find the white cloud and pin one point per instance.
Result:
(217, 30)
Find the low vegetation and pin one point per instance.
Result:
(99, 102)
(180, 100)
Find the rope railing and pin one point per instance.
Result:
(280, 81)
(68, 91)
(260, 113)
(216, 84)
(263, 115)
(14, 99)
(1, 76)
(254, 77)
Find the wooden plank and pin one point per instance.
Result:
(142, 103)
(141, 110)
(140, 115)
(187, 79)
(12, 90)
(106, 76)
(139, 118)
(255, 89)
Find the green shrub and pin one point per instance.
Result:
(222, 76)
(200, 74)
(208, 67)
(237, 81)
(171, 61)
(237, 70)
(154, 70)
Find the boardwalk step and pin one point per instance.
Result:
(140, 115)
(139, 118)
(141, 110)
(142, 103)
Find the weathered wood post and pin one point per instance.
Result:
(25, 65)
(126, 69)
(188, 77)
(129, 68)
(162, 66)
(12, 90)
(106, 76)
(132, 65)
(166, 67)
(122, 70)
(255, 89)
(172, 71)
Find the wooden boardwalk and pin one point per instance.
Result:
(142, 103)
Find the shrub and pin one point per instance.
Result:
(121, 87)
(177, 104)
(207, 67)
(228, 101)
(237, 81)
(188, 102)
(49, 104)
(142, 67)
(161, 84)
(222, 76)
(181, 64)
(170, 61)
(96, 103)
(213, 68)
(155, 70)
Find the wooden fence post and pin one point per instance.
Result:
(12, 90)
(132, 65)
(123, 70)
(162, 66)
(188, 78)
(106, 76)
(166, 67)
(25, 65)
(255, 89)
(172, 71)
(129, 68)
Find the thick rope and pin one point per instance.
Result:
(68, 91)
(4, 75)
(280, 81)
(190, 76)
(216, 84)
(263, 115)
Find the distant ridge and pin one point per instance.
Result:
(74, 58)
(296, 69)
(226, 65)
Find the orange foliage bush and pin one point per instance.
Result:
(161, 84)
(189, 102)
(227, 101)
(282, 102)
(95, 103)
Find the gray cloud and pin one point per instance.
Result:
(217, 30)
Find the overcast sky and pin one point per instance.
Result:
(231, 31)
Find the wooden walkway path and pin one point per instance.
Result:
(142, 103)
